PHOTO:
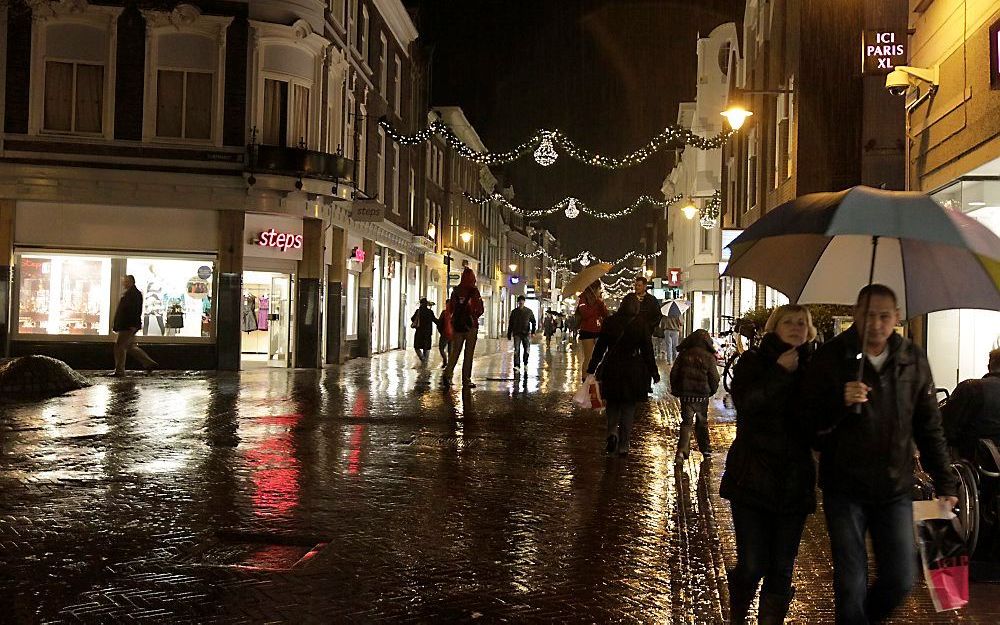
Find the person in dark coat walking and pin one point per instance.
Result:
(694, 378)
(866, 458)
(520, 327)
(770, 474)
(127, 321)
(624, 365)
(423, 321)
(973, 411)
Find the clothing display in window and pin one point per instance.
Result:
(175, 316)
(248, 316)
(263, 306)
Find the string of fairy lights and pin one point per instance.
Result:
(586, 257)
(572, 207)
(543, 145)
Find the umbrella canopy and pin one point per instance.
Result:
(675, 307)
(818, 249)
(584, 278)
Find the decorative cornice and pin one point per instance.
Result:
(399, 22)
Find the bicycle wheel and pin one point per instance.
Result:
(968, 504)
(727, 372)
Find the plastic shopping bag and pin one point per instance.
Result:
(943, 554)
(589, 394)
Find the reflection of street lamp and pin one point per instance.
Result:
(466, 236)
(689, 209)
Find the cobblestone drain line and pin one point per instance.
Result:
(492, 506)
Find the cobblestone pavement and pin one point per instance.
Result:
(368, 493)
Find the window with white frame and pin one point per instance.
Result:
(348, 124)
(397, 92)
(184, 104)
(780, 140)
(413, 198)
(362, 134)
(790, 135)
(363, 34)
(286, 112)
(380, 166)
(383, 67)
(352, 21)
(337, 10)
(394, 200)
(74, 60)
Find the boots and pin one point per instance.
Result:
(774, 607)
(740, 599)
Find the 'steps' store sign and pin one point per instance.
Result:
(882, 51)
(282, 241)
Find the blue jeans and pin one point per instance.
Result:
(891, 527)
(521, 342)
(766, 545)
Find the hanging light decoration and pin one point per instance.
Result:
(571, 210)
(585, 259)
(545, 153)
(707, 222)
(710, 214)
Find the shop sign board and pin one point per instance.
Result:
(882, 50)
(280, 240)
(995, 55)
(357, 255)
(367, 210)
(674, 276)
(272, 236)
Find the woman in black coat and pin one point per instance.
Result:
(623, 363)
(770, 474)
(423, 321)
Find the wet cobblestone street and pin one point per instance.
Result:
(368, 493)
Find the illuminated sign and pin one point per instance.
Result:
(281, 240)
(882, 51)
(995, 55)
(674, 276)
(357, 255)
(515, 279)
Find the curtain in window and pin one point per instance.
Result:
(58, 96)
(89, 98)
(273, 132)
(300, 114)
(198, 106)
(169, 103)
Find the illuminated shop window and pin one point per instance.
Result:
(177, 295)
(64, 295)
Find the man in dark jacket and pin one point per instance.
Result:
(423, 323)
(127, 321)
(973, 411)
(694, 378)
(649, 306)
(520, 327)
(866, 460)
(464, 308)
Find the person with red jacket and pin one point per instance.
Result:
(592, 312)
(464, 308)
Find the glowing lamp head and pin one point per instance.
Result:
(466, 236)
(689, 210)
(512, 267)
(736, 115)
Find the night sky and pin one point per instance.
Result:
(609, 73)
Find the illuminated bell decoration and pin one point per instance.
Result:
(585, 260)
(571, 210)
(708, 222)
(546, 153)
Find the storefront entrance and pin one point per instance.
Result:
(265, 317)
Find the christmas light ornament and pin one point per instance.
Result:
(585, 260)
(545, 153)
(707, 222)
(571, 210)
(710, 214)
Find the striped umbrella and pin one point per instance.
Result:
(823, 247)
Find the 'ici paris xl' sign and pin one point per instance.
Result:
(882, 51)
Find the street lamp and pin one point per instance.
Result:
(689, 209)
(512, 267)
(466, 236)
(649, 273)
(736, 115)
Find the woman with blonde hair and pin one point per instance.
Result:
(592, 312)
(770, 473)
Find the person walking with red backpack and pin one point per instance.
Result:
(464, 308)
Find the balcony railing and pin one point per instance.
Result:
(299, 162)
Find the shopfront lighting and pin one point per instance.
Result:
(736, 115)
(689, 209)
(466, 236)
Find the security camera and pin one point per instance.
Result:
(900, 79)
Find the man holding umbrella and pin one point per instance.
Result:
(866, 457)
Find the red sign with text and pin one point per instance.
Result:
(674, 276)
(281, 240)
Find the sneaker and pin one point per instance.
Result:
(611, 445)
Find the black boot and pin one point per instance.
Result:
(740, 599)
(774, 607)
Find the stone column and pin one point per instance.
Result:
(230, 285)
(308, 316)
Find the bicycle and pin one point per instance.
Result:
(741, 336)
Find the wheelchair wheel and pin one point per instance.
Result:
(968, 503)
